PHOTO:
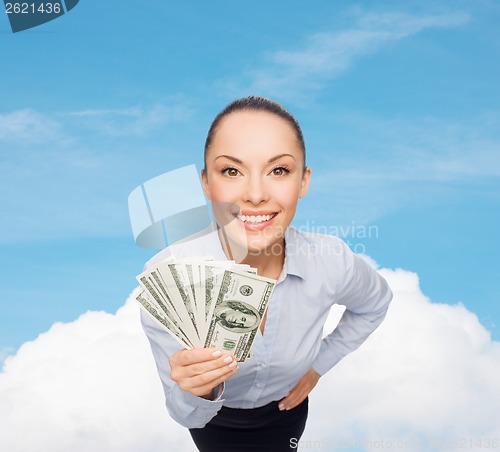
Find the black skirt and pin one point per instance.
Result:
(264, 429)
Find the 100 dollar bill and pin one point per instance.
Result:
(238, 312)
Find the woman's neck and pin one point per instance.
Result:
(270, 266)
(267, 263)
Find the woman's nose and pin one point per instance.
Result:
(256, 191)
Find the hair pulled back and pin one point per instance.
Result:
(255, 103)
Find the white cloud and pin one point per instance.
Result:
(28, 127)
(61, 179)
(133, 121)
(325, 55)
(370, 166)
(429, 372)
(86, 385)
(430, 149)
(4, 353)
(132, 112)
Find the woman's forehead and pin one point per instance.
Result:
(258, 132)
(251, 120)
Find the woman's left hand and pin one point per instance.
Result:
(301, 390)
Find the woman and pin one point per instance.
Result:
(254, 175)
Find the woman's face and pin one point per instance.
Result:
(254, 178)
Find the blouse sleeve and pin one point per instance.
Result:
(366, 296)
(187, 409)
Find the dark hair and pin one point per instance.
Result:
(255, 103)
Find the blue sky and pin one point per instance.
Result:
(399, 103)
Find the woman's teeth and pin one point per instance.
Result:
(255, 218)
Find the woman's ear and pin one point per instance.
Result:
(306, 179)
(204, 183)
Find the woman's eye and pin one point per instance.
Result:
(231, 172)
(280, 171)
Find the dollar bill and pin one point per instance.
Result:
(207, 303)
(161, 317)
(162, 288)
(182, 285)
(238, 312)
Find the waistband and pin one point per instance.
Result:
(239, 417)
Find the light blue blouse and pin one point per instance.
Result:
(319, 271)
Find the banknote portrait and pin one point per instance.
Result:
(237, 316)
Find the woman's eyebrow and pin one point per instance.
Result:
(279, 156)
(272, 159)
(234, 159)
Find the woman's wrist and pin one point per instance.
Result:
(208, 396)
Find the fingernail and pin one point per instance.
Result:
(281, 407)
(217, 353)
(228, 359)
(235, 368)
(233, 364)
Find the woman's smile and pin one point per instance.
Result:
(256, 221)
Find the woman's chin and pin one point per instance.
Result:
(244, 242)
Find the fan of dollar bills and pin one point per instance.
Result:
(207, 303)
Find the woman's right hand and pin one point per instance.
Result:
(200, 370)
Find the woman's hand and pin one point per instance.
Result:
(301, 390)
(200, 370)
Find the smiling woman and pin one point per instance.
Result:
(254, 176)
